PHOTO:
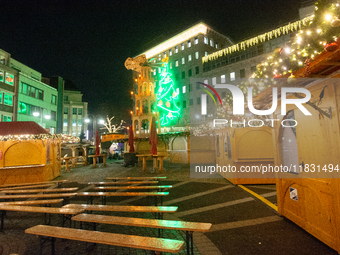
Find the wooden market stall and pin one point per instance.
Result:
(245, 149)
(28, 153)
(310, 197)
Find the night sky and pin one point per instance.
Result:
(88, 42)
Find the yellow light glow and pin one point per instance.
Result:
(308, 32)
(200, 28)
(318, 31)
(328, 17)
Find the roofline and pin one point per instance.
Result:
(199, 28)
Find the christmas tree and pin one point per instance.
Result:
(166, 98)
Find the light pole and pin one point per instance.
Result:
(37, 114)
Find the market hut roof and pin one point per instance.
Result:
(21, 128)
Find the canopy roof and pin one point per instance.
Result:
(21, 128)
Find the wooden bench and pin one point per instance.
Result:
(95, 159)
(29, 187)
(144, 178)
(158, 210)
(39, 190)
(34, 202)
(160, 188)
(157, 245)
(26, 196)
(32, 183)
(122, 194)
(123, 183)
(188, 227)
(34, 209)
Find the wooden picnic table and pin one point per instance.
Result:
(157, 245)
(143, 157)
(122, 194)
(95, 159)
(66, 159)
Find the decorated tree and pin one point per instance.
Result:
(166, 98)
(113, 128)
(321, 34)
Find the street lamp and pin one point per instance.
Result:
(41, 113)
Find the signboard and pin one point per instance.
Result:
(293, 194)
(111, 137)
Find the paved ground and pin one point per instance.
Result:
(242, 224)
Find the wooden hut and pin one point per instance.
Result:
(310, 195)
(245, 150)
(28, 153)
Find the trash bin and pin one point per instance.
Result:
(130, 159)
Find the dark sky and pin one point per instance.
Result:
(88, 42)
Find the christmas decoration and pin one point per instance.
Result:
(335, 22)
(166, 98)
(330, 47)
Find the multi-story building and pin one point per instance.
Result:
(184, 52)
(36, 100)
(75, 112)
(8, 88)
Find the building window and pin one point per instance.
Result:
(197, 86)
(1, 75)
(182, 46)
(80, 122)
(189, 73)
(191, 101)
(54, 100)
(65, 98)
(7, 118)
(214, 81)
(8, 99)
(170, 52)
(211, 42)
(176, 63)
(242, 73)
(53, 115)
(205, 53)
(196, 55)
(176, 77)
(159, 57)
(183, 61)
(80, 111)
(216, 45)
(189, 44)
(40, 94)
(183, 75)
(197, 69)
(196, 40)
(199, 100)
(177, 91)
(2, 59)
(184, 104)
(0, 97)
(9, 79)
(206, 82)
(65, 110)
(170, 65)
(74, 111)
(232, 76)
(223, 78)
(205, 40)
(184, 89)
(176, 49)
(189, 58)
(190, 87)
(24, 108)
(164, 55)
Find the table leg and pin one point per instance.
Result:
(94, 162)
(104, 160)
(144, 163)
(161, 164)
(67, 166)
(155, 163)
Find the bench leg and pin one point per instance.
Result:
(189, 242)
(3, 214)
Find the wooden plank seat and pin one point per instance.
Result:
(159, 210)
(39, 190)
(123, 183)
(67, 196)
(188, 227)
(29, 187)
(32, 183)
(34, 202)
(133, 187)
(122, 194)
(35, 209)
(157, 245)
(144, 178)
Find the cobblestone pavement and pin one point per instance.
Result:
(241, 223)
